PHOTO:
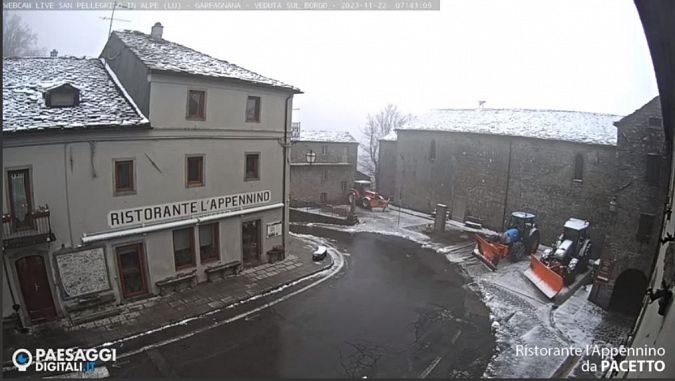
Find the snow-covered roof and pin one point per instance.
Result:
(390, 137)
(102, 101)
(160, 54)
(325, 136)
(573, 126)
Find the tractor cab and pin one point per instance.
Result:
(362, 186)
(521, 221)
(575, 231)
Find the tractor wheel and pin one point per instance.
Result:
(533, 242)
(365, 203)
(568, 278)
(517, 251)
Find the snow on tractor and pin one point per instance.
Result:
(558, 267)
(366, 198)
(520, 239)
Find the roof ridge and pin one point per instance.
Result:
(524, 109)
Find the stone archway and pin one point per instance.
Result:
(629, 290)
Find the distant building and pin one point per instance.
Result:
(486, 163)
(323, 167)
(161, 166)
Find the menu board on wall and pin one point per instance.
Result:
(83, 272)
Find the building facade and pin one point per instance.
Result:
(639, 196)
(487, 163)
(196, 190)
(323, 167)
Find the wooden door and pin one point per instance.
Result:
(250, 237)
(131, 270)
(35, 288)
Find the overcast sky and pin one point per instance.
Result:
(586, 55)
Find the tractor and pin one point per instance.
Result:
(559, 267)
(362, 196)
(520, 239)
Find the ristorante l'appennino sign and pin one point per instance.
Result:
(175, 210)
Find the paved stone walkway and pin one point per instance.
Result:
(142, 316)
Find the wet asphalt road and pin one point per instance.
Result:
(395, 310)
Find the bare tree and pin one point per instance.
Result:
(377, 127)
(18, 39)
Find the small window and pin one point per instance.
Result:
(324, 150)
(324, 197)
(183, 248)
(124, 176)
(195, 171)
(432, 150)
(653, 172)
(196, 105)
(208, 243)
(253, 109)
(655, 122)
(324, 176)
(252, 167)
(65, 95)
(579, 167)
(645, 226)
(344, 186)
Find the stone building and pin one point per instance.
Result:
(486, 163)
(654, 326)
(386, 176)
(329, 176)
(639, 198)
(161, 167)
(556, 164)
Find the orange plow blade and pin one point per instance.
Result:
(546, 280)
(489, 252)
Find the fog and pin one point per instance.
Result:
(571, 55)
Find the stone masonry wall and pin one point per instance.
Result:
(637, 139)
(471, 173)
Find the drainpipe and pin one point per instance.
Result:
(506, 192)
(15, 306)
(283, 188)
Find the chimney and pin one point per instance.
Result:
(54, 53)
(156, 33)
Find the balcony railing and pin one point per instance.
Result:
(35, 229)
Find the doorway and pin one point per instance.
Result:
(20, 205)
(37, 294)
(250, 243)
(629, 291)
(131, 270)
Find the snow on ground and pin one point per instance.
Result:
(521, 314)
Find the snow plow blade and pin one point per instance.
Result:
(489, 252)
(545, 279)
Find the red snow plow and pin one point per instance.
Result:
(520, 239)
(366, 198)
(558, 267)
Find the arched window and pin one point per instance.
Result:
(432, 150)
(578, 167)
